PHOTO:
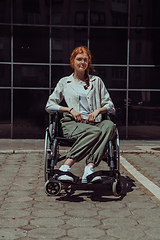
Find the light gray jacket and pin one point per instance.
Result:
(97, 95)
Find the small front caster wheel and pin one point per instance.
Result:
(69, 190)
(117, 187)
(52, 188)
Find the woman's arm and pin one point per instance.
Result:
(55, 98)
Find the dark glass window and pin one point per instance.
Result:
(144, 47)
(109, 46)
(69, 12)
(5, 75)
(144, 77)
(118, 98)
(97, 18)
(139, 20)
(144, 115)
(5, 113)
(139, 2)
(5, 43)
(113, 77)
(59, 72)
(31, 76)
(138, 48)
(30, 117)
(81, 18)
(64, 40)
(109, 13)
(31, 44)
(31, 12)
(5, 11)
(31, 6)
(145, 13)
(119, 19)
(57, 1)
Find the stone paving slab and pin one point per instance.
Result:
(147, 164)
(26, 212)
(37, 145)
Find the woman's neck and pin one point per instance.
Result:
(79, 77)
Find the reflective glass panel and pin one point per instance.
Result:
(5, 11)
(5, 113)
(109, 13)
(31, 76)
(109, 45)
(144, 77)
(5, 75)
(59, 72)
(118, 98)
(145, 13)
(30, 117)
(144, 115)
(31, 44)
(64, 40)
(69, 12)
(31, 12)
(113, 77)
(144, 46)
(5, 43)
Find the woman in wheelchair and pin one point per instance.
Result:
(87, 99)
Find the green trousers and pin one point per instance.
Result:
(91, 139)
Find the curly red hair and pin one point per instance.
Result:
(80, 50)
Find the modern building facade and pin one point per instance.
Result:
(37, 38)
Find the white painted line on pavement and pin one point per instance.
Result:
(153, 188)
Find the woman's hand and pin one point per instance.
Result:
(92, 116)
(77, 116)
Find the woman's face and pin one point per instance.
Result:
(81, 62)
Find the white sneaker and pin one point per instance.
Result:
(87, 171)
(65, 178)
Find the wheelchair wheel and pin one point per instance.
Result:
(117, 185)
(68, 190)
(47, 155)
(52, 188)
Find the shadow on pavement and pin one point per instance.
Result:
(97, 192)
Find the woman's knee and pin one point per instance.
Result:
(94, 132)
(108, 124)
(112, 125)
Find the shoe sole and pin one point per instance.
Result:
(63, 179)
(94, 180)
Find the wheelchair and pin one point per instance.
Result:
(54, 139)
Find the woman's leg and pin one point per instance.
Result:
(86, 136)
(98, 149)
(69, 162)
(97, 152)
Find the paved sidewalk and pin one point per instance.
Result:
(26, 212)
(21, 145)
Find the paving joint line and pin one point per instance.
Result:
(65, 151)
(25, 151)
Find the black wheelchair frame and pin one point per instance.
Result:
(54, 139)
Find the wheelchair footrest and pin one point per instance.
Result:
(101, 173)
(60, 173)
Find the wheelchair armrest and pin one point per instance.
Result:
(55, 121)
(107, 116)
